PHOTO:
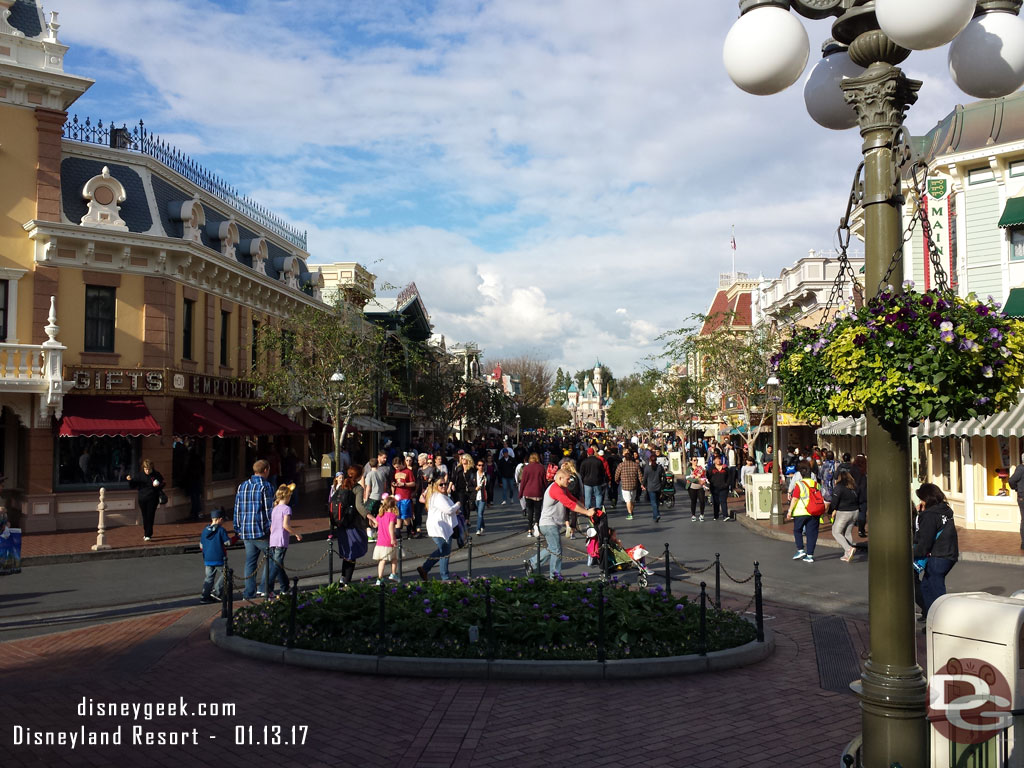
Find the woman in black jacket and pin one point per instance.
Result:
(843, 507)
(935, 543)
(149, 486)
(720, 480)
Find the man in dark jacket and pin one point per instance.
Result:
(653, 482)
(592, 473)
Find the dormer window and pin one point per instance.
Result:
(226, 232)
(104, 193)
(256, 250)
(192, 217)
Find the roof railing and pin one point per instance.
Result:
(138, 139)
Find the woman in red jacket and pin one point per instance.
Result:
(532, 484)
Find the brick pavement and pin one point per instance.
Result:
(740, 718)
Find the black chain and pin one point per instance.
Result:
(846, 272)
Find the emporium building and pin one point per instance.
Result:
(132, 282)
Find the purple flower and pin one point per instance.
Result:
(888, 343)
(892, 317)
(982, 310)
(947, 336)
(967, 345)
(981, 400)
(942, 304)
(426, 610)
(927, 301)
(935, 319)
(536, 605)
(563, 617)
(464, 601)
(902, 327)
(859, 340)
(987, 371)
(426, 601)
(529, 581)
(995, 334)
(679, 606)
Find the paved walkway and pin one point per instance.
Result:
(741, 718)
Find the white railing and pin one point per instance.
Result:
(21, 362)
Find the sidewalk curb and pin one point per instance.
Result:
(823, 541)
(500, 669)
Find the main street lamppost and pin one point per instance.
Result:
(337, 382)
(650, 426)
(858, 83)
(775, 396)
(689, 426)
(519, 422)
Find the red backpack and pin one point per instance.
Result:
(815, 501)
(549, 476)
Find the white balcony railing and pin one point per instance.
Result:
(36, 368)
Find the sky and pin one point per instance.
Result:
(559, 178)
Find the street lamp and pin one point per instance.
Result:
(337, 382)
(775, 396)
(765, 52)
(650, 426)
(689, 425)
(519, 421)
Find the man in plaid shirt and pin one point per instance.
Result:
(629, 476)
(253, 504)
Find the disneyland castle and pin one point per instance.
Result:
(587, 408)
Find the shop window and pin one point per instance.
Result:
(225, 324)
(100, 310)
(1017, 244)
(187, 321)
(224, 458)
(997, 466)
(944, 461)
(91, 462)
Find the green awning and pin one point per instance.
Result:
(1013, 213)
(1015, 303)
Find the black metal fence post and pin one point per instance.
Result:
(380, 619)
(536, 570)
(469, 562)
(489, 620)
(293, 612)
(401, 558)
(229, 606)
(668, 570)
(267, 586)
(718, 581)
(600, 622)
(606, 564)
(702, 640)
(225, 590)
(758, 604)
(330, 554)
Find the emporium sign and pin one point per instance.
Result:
(156, 381)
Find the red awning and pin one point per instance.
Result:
(197, 418)
(86, 416)
(256, 421)
(285, 426)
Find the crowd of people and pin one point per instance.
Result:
(444, 493)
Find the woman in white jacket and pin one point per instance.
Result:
(442, 518)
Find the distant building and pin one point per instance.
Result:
(588, 409)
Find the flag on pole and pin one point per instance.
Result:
(732, 242)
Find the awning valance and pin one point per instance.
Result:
(285, 426)
(1008, 423)
(370, 424)
(1013, 213)
(256, 422)
(88, 416)
(197, 418)
(854, 426)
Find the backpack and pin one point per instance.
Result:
(828, 471)
(815, 502)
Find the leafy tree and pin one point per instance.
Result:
(330, 362)
(561, 380)
(486, 405)
(535, 382)
(637, 397)
(580, 377)
(554, 417)
(728, 366)
(439, 388)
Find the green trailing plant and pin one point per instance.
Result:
(907, 356)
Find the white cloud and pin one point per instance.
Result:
(555, 175)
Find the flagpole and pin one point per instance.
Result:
(733, 243)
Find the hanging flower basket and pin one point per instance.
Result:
(907, 356)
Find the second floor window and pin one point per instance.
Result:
(187, 319)
(100, 307)
(1017, 245)
(3, 309)
(225, 324)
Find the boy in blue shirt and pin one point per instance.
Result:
(214, 541)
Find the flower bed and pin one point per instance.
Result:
(532, 619)
(907, 356)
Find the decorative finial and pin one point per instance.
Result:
(51, 328)
(53, 26)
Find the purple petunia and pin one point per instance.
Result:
(947, 336)
(982, 310)
(995, 334)
(927, 301)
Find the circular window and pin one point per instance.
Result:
(103, 195)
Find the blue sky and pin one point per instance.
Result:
(559, 177)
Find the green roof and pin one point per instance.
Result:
(1013, 213)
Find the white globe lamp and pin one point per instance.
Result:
(923, 24)
(766, 50)
(823, 94)
(987, 59)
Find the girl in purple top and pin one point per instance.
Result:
(280, 531)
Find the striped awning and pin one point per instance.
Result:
(1008, 423)
(1013, 213)
(855, 426)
